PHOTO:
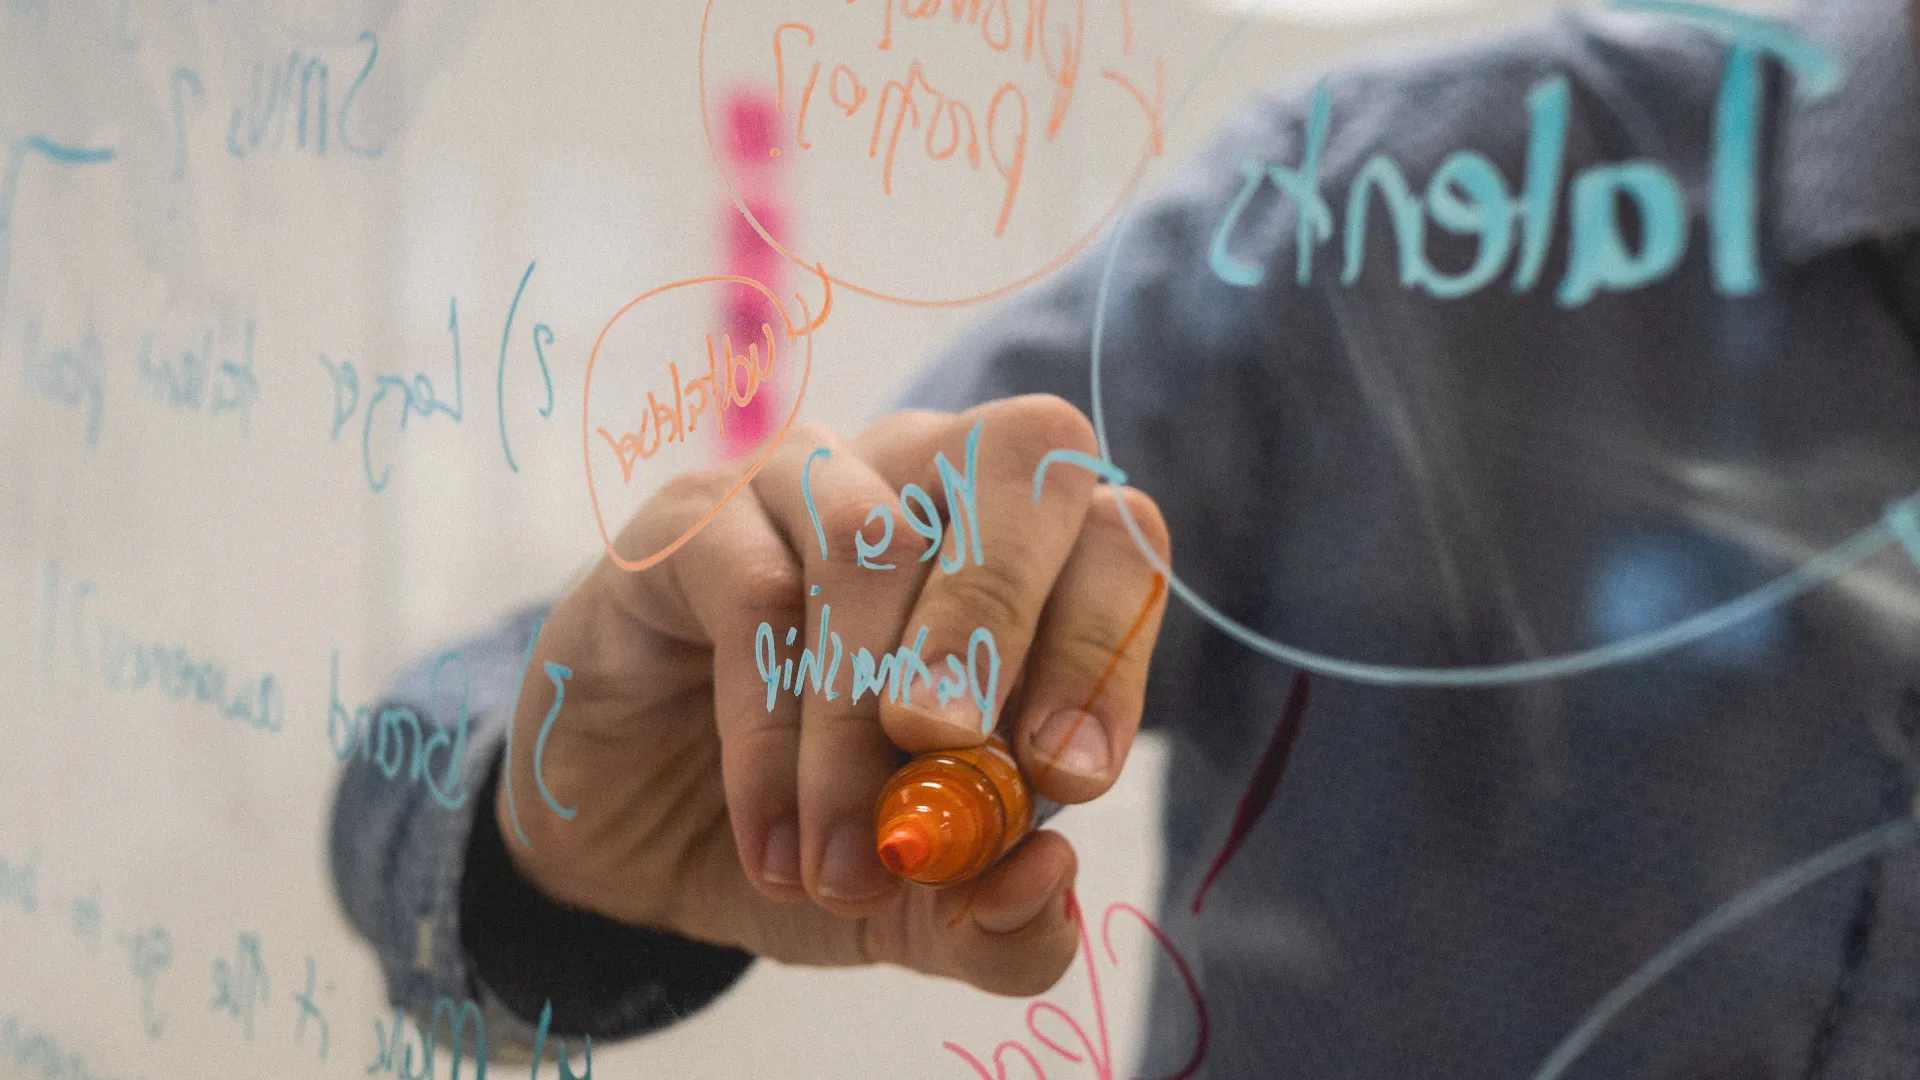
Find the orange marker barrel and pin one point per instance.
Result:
(946, 816)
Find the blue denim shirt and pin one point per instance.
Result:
(1450, 877)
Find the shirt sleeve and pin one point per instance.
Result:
(425, 876)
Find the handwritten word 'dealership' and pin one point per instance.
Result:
(1467, 195)
(731, 382)
(395, 739)
(416, 395)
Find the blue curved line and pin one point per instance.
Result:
(1722, 919)
(1105, 470)
(1822, 568)
(806, 493)
(500, 379)
(559, 674)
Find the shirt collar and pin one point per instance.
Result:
(1850, 162)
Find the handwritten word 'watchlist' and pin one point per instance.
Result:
(731, 381)
(1468, 196)
(395, 1055)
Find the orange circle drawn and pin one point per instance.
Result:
(1079, 245)
(773, 443)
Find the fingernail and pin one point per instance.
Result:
(781, 863)
(963, 714)
(851, 870)
(1073, 742)
(1012, 919)
(960, 715)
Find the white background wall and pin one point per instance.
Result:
(562, 132)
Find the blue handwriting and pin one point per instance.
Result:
(20, 883)
(261, 124)
(41, 1052)
(148, 954)
(73, 376)
(383, 737)
(184, 384)
(894, 673)
(417, 396)
(1468, 196)
(129, 664)
(240, 986)
(961, 510)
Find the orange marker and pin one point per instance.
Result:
(947, 816)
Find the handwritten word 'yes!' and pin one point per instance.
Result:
(962, 511)
(721, 388)
(1468, 196)
(1099, 1057)
(417, 395)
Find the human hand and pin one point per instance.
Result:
(702, 811)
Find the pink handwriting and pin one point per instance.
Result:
(1100, 1057)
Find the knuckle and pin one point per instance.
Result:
(841, 518)
(769, 582)
(992, 594)
(699, 488)
(1043, 422)
(1105, 515)
(1024, 968)
(1080, 655)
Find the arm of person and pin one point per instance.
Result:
(502, 936)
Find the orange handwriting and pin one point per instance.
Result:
(719, 389)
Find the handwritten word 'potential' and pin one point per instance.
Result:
(991, 117)
(731, 382)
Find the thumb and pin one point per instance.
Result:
(1013, 930)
